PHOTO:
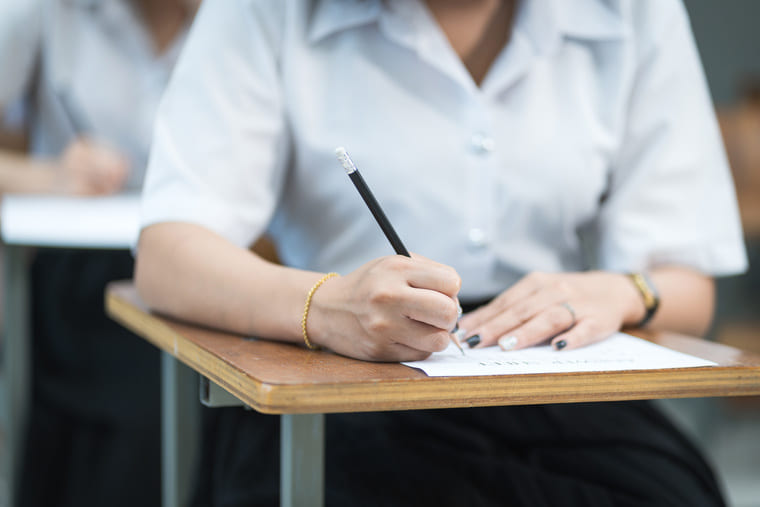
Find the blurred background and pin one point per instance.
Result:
(727, 429)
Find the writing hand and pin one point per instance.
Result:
(391, 309)
(89, 168)
(573, 309)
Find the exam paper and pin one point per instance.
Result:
(616, 353)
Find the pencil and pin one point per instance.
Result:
(377, 212)
(75, 117)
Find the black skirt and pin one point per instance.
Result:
(93, 436)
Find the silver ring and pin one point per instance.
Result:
(570, 309)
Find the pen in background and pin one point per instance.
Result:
(382, 220)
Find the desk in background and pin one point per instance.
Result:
(302, 385)
(59, 222)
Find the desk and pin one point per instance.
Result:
(301, 385)
(47, 221)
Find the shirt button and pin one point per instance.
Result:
(482, 144)
(477, 238)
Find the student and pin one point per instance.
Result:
(89, 75)
(533, 152)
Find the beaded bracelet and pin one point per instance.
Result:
(306, 309)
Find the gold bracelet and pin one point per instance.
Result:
(306, 309)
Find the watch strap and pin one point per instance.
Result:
(649, 295)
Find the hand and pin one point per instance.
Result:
(391, 309)
(89, 168)
(573, 309)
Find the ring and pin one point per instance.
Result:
(570, 309)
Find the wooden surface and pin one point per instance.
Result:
(745, 336)
(281, 378)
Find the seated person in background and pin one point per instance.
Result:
(90, 75)
(531, 152)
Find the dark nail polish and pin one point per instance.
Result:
(473, 340)
(560, 345)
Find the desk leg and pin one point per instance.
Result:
(180, 430)
(302, 460)
(16, 361)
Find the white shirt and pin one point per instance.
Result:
(87, 67)
(591, 142)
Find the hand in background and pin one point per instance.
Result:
(574, 308)
(87, 167)
(391, 309)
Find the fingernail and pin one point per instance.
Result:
(560, 345)
(473, 340)
(507, 342)
(459, 309)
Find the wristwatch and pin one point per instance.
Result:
(649, 294)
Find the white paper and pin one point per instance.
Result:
(616, 353)
(74, 222)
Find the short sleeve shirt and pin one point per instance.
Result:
(591, 142)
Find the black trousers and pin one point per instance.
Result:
(93, 437)
(601, 454)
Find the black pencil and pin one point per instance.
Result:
(377, 212)
(371, 202)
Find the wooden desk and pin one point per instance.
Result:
(286, 379)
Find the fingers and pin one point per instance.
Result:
(544, 325)
(512, 317)
(391, 352)
(423, 338)
(429, 307)
(423, 273)
(389, 334)
(91, 168)
(108, 169)
(426, 303)
(583, 333)
(417, 289)
(523, 289)
(571, 309)
(384, 333)
(393, 308)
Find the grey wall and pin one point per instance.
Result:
(728, 36)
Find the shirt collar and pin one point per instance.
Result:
(543, 21)
(590, 19)
(332, 16)
(112, 12)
